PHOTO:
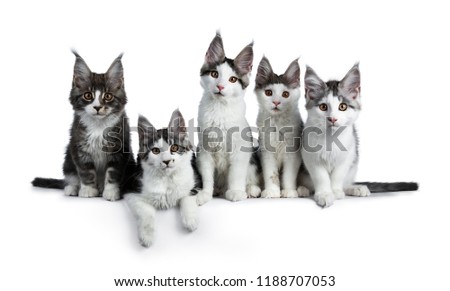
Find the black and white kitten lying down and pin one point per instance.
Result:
(333, 107)
(98, 158)
(168, 176)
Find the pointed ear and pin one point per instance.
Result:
(292, 75)
(146, 132)
(244, 60)
(264, 72)
(177, 124)
(351, 84)
(314, 86)
(81, 72)
(114, 75)
(215, 53)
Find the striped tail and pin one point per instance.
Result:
(376, 187)
(49, 183)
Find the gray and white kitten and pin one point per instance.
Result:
(280, 129)
(168, 176)
(226, 166)
(333, 107)
(98, 158)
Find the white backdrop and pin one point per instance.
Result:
(384, 242)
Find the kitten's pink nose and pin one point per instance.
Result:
(220, 87)
(332, 120)
(276, 103)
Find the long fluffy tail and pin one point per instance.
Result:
(376, 187)
(48, 183)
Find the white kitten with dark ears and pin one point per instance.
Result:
(168, 176)
(225, 166)
(280, 129)
(330, 141)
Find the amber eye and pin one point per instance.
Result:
(155, 151)
(233, 79)
(343, 106)
(108, 97)
(285, 94)
(174, 148)
(323, 107)
(214, 74)
(268, 92)
(87, 96)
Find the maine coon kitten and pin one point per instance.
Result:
(225, 166)
(98, 158)
(280, 129)
(168, 176)
(330, 144)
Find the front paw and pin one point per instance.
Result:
(71, 190)
(271, 193)
(235, 195)
(111, 192)
(190, 222)
(358, 190)
(203, 196)
(303, 191)
(338, 193)
(324, 199)
(289, 193)
(146, 235)
(88, 191)
(253, 191)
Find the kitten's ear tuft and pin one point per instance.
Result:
(216, 53)
(114, 75)
(81, 72)
(292, 75)
(314, 86)
(146, 131)
(177, 124)
(264, 73)
(244, 60)
(351, 83)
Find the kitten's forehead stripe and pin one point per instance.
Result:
(332, 91)
(243, 79)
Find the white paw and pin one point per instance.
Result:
(87, 191)
(111, 192)
(302, 191)
(203, 196)
(289, 193)
(190, 222)
(235, 195)
(358, 190)
(338, 193)
(71, 190)
(253, 191)
(146, 236)
(271, 193)
(324, 199)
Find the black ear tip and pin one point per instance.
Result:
(75, 53)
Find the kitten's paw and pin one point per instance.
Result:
(190, 222)
(303, 191)
(338, 193)
(203, 196)
(71, 190)
(235, 195)
(253, 191)
(324, 199)
(289, 193)
(111, 192)
(358, 190)
(87, 191)
(271, 193)
(146, 235)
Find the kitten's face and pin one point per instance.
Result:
(277, 93)
(334, 103)
(164, 149)
(98, 95)
(222, 77)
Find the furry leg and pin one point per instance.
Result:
(206, 168)
(145, 217)
(237, 177)
(189, 212)
(291, 165)
(271, 175)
